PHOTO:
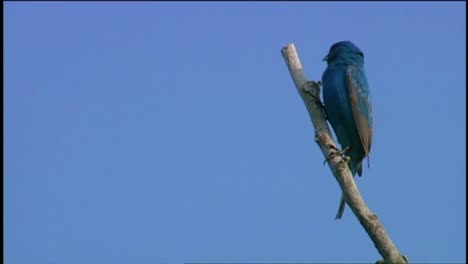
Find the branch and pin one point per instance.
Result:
(310, 94)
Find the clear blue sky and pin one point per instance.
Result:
(172, 132)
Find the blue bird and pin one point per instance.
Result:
(347, 104)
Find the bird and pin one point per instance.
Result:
(347, 105)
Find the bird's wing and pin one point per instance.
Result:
(360, 100)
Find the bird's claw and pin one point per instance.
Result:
(332, 147)
(336, 152)
(345, 159)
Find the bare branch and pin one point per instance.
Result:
(310, 92)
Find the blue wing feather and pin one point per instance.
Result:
(359, 98)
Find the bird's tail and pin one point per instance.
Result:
(340, 212)
(356, 168)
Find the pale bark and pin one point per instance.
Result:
(309, 92)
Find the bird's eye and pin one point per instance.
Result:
(360, 53)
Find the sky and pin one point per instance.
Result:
(159, 132)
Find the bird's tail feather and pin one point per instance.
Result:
(340, 212)
(353, 168)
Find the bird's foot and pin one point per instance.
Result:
(336, 152)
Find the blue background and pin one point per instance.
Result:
(159, 132)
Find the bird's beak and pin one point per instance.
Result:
(326, 58)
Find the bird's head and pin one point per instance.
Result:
(344, 51)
